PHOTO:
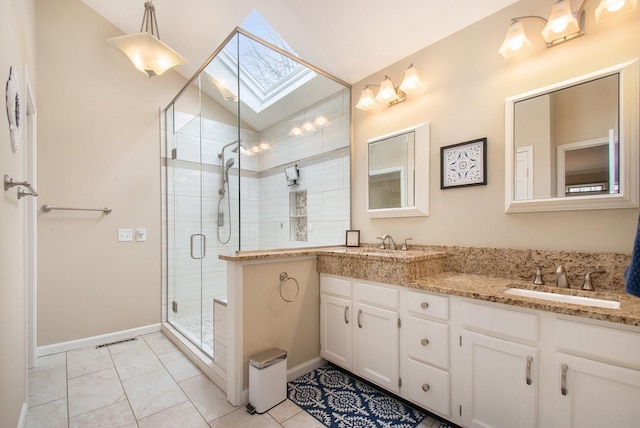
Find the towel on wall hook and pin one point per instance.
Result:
(632, 274)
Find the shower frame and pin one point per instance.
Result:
(237, 32)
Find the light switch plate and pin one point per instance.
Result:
(141, 234)
(125, 235)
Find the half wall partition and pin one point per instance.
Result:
(256, 156)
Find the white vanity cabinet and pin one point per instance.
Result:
(376, 334)
(425, 352)
(336, 340)
(359, 328)
(597, 381)
(499, 366)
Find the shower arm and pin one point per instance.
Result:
(221, 154)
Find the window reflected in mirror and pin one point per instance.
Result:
(391, 172)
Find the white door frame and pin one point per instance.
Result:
(31, 224)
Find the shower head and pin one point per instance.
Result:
(235, 149)
(230, 163)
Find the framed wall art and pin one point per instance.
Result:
(464, 164)
(353, 238)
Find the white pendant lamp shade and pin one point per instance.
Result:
(148, 53)
(561, 23)
(515, 42)
(387, 93)
(145, 49)
(367, 100)
(411, 81)
(612, 8)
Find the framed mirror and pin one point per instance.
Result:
(398, 173)
(574, 145)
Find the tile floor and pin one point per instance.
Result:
(148, 382)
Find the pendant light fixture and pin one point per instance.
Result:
(145, 49)
(562, 25)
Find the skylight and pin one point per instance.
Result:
(266, 76)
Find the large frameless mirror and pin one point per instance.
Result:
(573, 145)
(398, 171)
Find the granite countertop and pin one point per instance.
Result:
(492, 289)
(245, 256)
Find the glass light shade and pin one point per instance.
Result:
(148, 53)
(411, 81)
(387, 93)
(612, 8)
(515, 42)
(321, 121)
(367, 100)
(561, 23)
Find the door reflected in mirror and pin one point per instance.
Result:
(573, 145)
(398, 165)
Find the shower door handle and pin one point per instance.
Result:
(203, 246)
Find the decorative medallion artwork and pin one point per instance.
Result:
(13, 109)
(464, 164)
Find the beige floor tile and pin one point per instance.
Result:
(88, 360)
(94, 391)
(210, 401)
(183, 415)
(116, 415)
(179, 366)
(302, 420)
(136, 361)
(152, 392)
(285, 410)
(47, 385)
(49, 415)
(49, 362)
(159, 343)
(241, 419)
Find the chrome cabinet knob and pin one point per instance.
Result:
(424, 342)
(426, 387)
(424, 305)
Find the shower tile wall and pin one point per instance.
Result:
(265, 220)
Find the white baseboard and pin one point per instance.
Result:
(22, 422)
(304, 368)
(96, 340)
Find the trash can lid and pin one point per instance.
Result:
(267, 358)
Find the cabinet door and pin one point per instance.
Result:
(378, 349)
(499, 382)
(595, 394)
(335, 330)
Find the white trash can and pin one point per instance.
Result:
(267, 380)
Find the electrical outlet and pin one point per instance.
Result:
(125, 235)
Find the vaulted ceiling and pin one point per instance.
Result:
(350, 39)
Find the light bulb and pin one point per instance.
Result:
(616, 6)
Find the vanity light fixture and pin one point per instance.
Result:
(145, 49)
(562, 25)
(388, 94)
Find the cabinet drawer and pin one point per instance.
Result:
(598, 342)
(429, 387)
(503, 322)
(428, 305)
(378, 295)
(335, 285)
(428, 341)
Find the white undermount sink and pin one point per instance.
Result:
(564, 298)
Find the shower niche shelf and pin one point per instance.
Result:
(298, 215)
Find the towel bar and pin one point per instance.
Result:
(48, 208)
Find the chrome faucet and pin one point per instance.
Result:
(392, 243)
(588, 285)
(561, 277)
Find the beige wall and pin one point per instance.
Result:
(466, 83)
(270, 322)
(98, 146)
(17, 49)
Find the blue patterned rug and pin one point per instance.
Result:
(338, 400)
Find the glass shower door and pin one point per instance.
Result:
(187, 237)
